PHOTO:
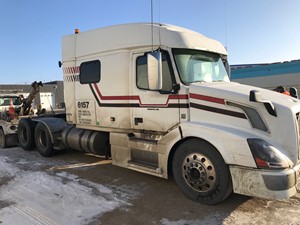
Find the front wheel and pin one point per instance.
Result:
(43, 140)
(201, 173)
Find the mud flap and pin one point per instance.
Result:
(12, 140)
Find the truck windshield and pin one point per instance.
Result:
(199, 66)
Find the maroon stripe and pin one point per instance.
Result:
(137, 98)
(218, 110)
(207, 98)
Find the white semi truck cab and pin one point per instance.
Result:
(157, 98)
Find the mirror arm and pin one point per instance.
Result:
(176, 88)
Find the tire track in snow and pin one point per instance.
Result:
(15, 204)
(37, 207)
(54, 198)
(31, 214)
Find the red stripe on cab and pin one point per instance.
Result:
(207, 98)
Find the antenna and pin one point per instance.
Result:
(152, 23)
(159, 11)
(225, 11)
(152, 28)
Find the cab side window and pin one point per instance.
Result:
(89, 72)
(142, 75)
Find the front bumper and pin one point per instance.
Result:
(270, 184)
(297, 174)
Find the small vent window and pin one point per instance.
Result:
(90, 72)
(254, 117)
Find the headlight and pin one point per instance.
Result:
(266, 155)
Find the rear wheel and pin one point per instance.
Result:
(201, 173)
(43, 140)
(3, 143)
(26, 133)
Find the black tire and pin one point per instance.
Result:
(26, 133)
(3, 143)
(201, 173)
(43, 141)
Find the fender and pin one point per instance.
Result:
(165, 147)
(54, 125)
(230, 142)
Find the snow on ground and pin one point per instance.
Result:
(255, 211)
(34, 197)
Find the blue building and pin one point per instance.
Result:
(268, 76)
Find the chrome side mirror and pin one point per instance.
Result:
(154, 67)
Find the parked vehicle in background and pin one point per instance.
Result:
(292, 92)
(9, 103)
(13, 107)
(9, 100)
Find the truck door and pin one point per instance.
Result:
(153, 110)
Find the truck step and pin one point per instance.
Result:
(144, 142)
(144, 164)
(144, 167)
(138, 139)
(146, 159)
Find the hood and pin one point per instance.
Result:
(232, 91)
(228, 104)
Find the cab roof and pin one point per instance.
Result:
(136, 35)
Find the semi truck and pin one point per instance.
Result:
(157, 99)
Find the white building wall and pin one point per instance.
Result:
(47, 100)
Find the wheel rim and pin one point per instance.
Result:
(199, 172)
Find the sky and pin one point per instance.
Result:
(256, 31)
